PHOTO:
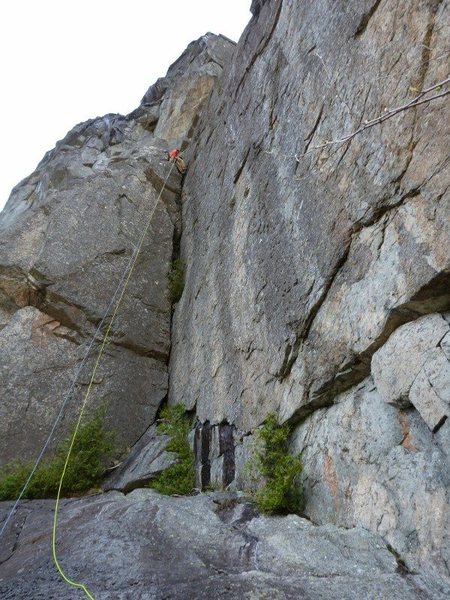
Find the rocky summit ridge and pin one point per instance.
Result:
(316, 287)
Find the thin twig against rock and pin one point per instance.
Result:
(417, 101)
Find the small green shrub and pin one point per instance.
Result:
(176, 280)
(179, 478)
(93, 445)
(12, 479)
(275, 469)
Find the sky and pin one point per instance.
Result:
(66, 61)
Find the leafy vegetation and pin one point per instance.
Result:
(179, 478)
(176, 280)
(92, 446)
(275, 469)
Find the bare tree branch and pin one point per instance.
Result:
(330, 79)
(388, 114)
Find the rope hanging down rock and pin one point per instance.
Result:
(91, 381)
(119, 294)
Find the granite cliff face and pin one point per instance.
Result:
(301, 270)
(66, 237)
(317, 286)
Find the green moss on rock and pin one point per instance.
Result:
(179, 478)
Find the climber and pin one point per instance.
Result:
(174, 156)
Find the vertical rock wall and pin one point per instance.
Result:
(302, 273)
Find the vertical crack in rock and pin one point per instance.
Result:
(241, 167)
(202, 445)
(402, 567)
(365, 19)
(292, 351)
(262, 46)
(426, 47)
(226, 442)
(310, 136)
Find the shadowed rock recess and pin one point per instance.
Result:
(316, 288)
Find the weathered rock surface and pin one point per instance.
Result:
(317, 287)
(370, 464)
(66, 237)
(147, 546)
(180, 95)
(380, 457)
(412, 368)
(146, 458)
(38, 357)
(365, 463)
(298, 271)
(302, 275)
(214, 452)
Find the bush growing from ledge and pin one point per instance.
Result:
(179, 478)
(176, 280)
(92, 447)
(278, 470)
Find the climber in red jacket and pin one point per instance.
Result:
(174, 156)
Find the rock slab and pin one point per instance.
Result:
(144, 546)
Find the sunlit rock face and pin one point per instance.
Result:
(67, 235)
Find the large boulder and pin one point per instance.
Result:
(147, 458)
(413, 367)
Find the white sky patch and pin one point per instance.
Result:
(64, 62)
